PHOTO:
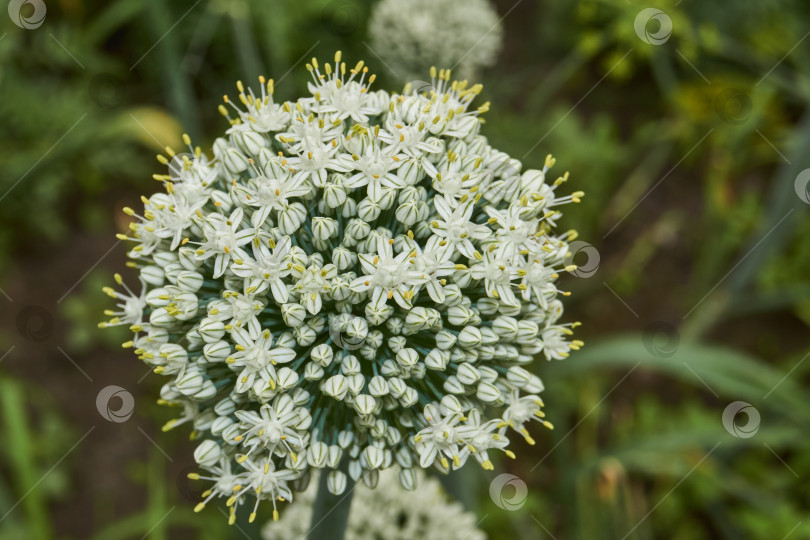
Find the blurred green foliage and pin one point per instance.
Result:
(68, 136)
(33, 439)
(687, 152)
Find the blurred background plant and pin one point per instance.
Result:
(687, 126)
(411, 35)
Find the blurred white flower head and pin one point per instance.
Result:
(354, 282)
(389, 512)
(411, 34)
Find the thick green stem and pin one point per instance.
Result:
(330, 513)
(460, 485)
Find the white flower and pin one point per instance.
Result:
(261, 113)
(237, 310)
(222, 235)
(454, 228)
(460, 177)
(166, 215)
(276, 428)
(266, 483)
(225, 482)
(417, 33)
(257, 358)
(192, 174)
(340, 97)
(481, 437)
(131, 306)
(497, 274)
(521, 410)
(314, 145)
(555, 347)
(266, 269)
(376, 164)
(388, 276)
(441, 439)
(433, 266)
(346, 261)
(273, 194)
(515, 233)
(313, 283)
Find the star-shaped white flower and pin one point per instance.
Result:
(388, 276)
(454, 227)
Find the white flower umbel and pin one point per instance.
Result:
(409, 35)
(354, 282)
(389, 512)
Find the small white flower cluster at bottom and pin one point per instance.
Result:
(388, 512)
